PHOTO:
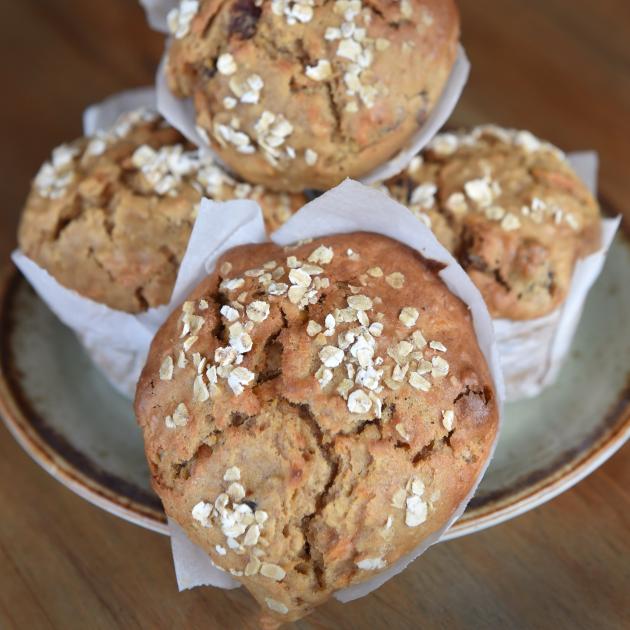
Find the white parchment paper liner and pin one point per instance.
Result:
(156, 12)
(353, 207)
(181, 114)
(533, 351)
(103, 115)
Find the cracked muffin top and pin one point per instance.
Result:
(109, 216)
(512, 211)
(312, 413)
(301, 94)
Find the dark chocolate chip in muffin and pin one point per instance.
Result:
(244, 18)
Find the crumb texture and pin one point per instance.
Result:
(299, 95)
(110, 215)
(312, 413)
(510, 209)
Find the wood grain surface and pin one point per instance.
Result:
(558, 67)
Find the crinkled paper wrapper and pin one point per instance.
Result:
(103, 115)
(181, 114)
(349, 207)
(533, 351)
(156, 11)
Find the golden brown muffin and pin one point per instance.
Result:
(110, 215)
(312, 413)
(510, 209)
(297, 95)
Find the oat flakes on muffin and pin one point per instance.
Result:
(110, 215)
(312, 413)
(298, 95)
(512, 211)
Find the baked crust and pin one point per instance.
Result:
(110, 216)
(354, 434)
(510, 209)
(289, 101)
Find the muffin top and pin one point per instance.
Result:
(510, 209)
(312, 413)
(297, 95)
(110, 215)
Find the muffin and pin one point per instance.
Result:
(510, 209)
(312, 413)
(109, 216)
(298, 95)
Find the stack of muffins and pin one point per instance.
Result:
(312, 413)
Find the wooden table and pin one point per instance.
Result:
(557, 67)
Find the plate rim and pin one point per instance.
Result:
(608, 442)
(43, 453)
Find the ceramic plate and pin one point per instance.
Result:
(67, 417)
